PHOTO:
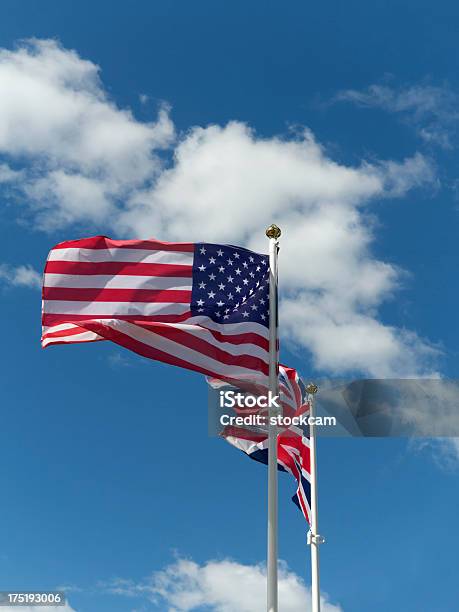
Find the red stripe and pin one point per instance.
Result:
(243, 434)
(118, 267)
(117, 295)
(248, 338)
(102, 242)
(201, 346)
(64, 332)
(292, 376)
(56, 319)
(236, 339)
(304, 508)
(245, 338)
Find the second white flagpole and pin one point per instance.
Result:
(314, 539)
(273, 233)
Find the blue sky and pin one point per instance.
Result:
(344, 130)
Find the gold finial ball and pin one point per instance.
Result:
(273, 231)
(312, 389)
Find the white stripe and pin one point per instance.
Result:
(56, 328)
(118, 281)
(183, 352)
(85, 336)
(113, 308)
(123, 255)
(230, 328)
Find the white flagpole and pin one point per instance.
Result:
(273, 233)
(314, 539)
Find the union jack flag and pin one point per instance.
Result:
(200, 306)
(293, 450)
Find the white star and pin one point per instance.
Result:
(238, 289)
(230, 296)
(227, 310)
(202, 250)
(258, 268)
(263, 262)
(251, 259)
(245, 281)
(202, 268)
(245, 264)
(200, 309)
(230, 262)
(221, 269)
(221, 286)
(200, 302)
(218, 314)
(211, 260)
(254, 307)
(212, 276)
(245, 314)
(236, 255)
(220, 303)
(251, 291)
(262, 301)
(211, 294)
(230, 278)
(219, 252)
(202, 285)
(238, 271)
(244, 298)
(263, 317)
(226, 316)
(251, 274)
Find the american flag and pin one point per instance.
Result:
(293, 450)
(200, 306)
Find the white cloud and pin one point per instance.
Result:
(20, 276)
(58, 116)
(431, 109)
(90, 162)
(186, 586)
(8, 175)
(342, 339)
(449, 452)
(444, 451)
